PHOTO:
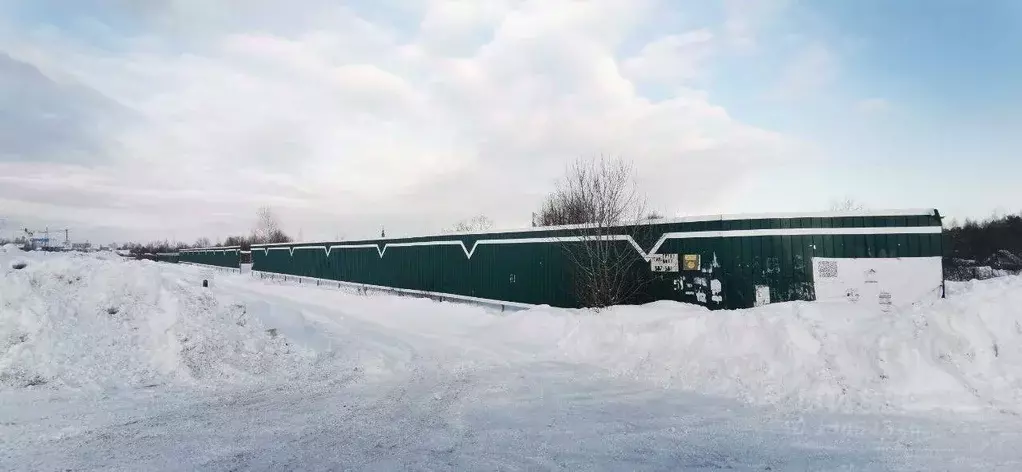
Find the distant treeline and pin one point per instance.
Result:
(245, 242)
(267, 230)
(154, 247)
(981, 240)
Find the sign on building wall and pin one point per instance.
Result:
(691, 261)
(762, 295)
(883, 282)
(664, 262)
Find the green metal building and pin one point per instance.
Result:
(715, 261)
(169, 257)
(213, 256)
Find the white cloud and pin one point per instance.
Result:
(810, 70)
(454, 26)
(345, 124)
(746, 18)
(873, 105)
(672, 58)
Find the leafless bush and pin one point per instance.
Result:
(846, 204)
(597, 191)
(267, 229)
(599, 195)
(474, 224)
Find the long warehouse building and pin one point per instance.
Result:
(886, 258)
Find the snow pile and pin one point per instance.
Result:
(78, 321)
(963, 353)
(74, 320)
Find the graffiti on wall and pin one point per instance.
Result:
(700, 283)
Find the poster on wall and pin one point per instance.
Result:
(692, 262)
(762, 295)
(883, 282)
(663, 262)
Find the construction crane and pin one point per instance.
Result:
(46, 239)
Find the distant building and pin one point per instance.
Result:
(886, 259)
(39, 243)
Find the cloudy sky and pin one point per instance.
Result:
(178, 118)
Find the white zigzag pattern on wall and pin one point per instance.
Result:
(327, 249)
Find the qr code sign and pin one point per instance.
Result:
(828, 269)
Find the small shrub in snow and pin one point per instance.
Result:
(18, 265)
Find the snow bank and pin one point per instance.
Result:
(82, 321)
(963, 353)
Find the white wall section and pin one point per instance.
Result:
(883, 282)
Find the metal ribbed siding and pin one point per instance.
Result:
(219, 257)
(784, 263)
(539, 272)
(168, 257)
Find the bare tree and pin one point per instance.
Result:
(600, 196)
(594, 191)
(267, 229)
(846, 204)
(476, 223)
(266, 224)
(244, 242)
(202, 242)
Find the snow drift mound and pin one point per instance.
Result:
(963, 353)
(85, 322)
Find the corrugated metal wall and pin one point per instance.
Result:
(169, 257)
(532, 266)
(220, 257)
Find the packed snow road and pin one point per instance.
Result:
(112, 364)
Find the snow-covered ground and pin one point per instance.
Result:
(133, 365)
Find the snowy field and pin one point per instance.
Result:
(132, 365)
